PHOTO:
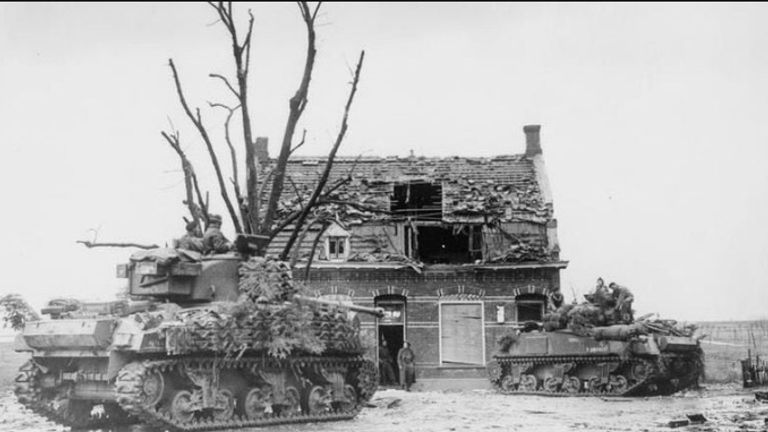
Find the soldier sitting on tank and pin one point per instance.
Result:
(623, 298)
(191, 240)
(213, 240)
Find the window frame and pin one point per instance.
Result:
(337, 240)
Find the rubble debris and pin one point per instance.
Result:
(678, 423)
(761, 395)
(696, 418)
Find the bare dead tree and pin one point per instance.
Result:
(329, 164)
(257, 213)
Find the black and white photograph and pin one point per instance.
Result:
(348, 217)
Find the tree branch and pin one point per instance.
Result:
(296, 107)
(301, 143)
(226, 82)
(189, 174)
(242, 64)
(198, 122)
(329, 164)
(90, 244)
(312, 252)
(235, 182)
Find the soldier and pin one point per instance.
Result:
(191, 240)
(406, 361)
(386, 368)
(623, 299)
(213, 240)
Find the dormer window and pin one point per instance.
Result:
(336, 243)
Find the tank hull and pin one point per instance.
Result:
(567, 364)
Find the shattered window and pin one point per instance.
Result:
(448, 244)
(418, 200)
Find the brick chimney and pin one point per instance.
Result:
(261, 150)
(532, 142)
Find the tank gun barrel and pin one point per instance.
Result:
(377, 311)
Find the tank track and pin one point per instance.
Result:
(53, 404)
(131, 383)
(500, 370)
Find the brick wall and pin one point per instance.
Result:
(424, 293)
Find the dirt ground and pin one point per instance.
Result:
(727, 408)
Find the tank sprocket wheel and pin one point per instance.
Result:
(494, 371)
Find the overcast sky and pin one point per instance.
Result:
(653, 128)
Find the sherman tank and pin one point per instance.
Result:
(201, 343)
(644, 358)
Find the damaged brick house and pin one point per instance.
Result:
(456, 250)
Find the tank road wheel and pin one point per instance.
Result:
(180, 408)
(318, 400)
(528, 383)
(292, 405)
(551, 384)
(508, 383)
(595, 386)
(617, 384)
(153, 388)
(571, 384)
(257, 403)
(225, 405)
(350, 399)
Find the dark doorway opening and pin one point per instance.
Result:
(390, 332)
(390, 342)
(530, 307)
(438, 245)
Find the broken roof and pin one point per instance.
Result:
(505, 188)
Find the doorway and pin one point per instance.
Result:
(390, 331)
